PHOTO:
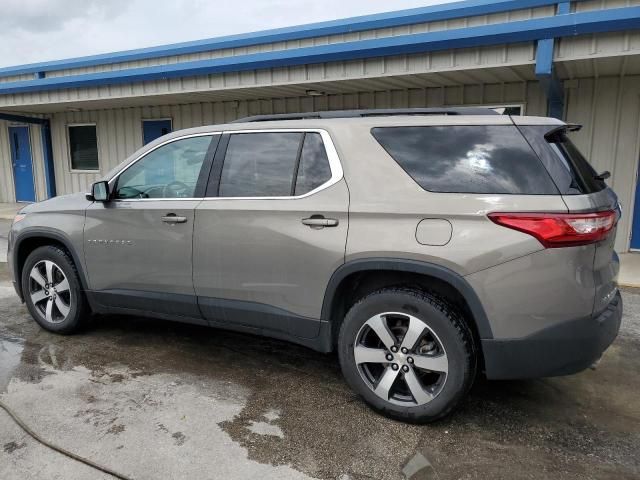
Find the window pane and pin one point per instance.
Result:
(314, 167)
(467, 159)
(170, 171)
(83, 143)
(571, 172)
(259, 165)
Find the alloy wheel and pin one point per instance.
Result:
(49, 291)
(401, 359)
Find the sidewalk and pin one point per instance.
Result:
(9, 210)
(629, 275)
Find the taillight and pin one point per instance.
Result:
(555, 230)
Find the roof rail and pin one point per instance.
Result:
(383, 112)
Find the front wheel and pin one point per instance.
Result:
(52, 290)
(408, 353)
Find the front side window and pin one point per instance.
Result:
(83, 147)
(494, 159)
(169, 171)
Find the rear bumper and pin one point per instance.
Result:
(561, 349)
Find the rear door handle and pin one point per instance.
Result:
(318, 221)
(172, 218)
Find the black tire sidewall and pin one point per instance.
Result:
(72, 322)
(460, 373)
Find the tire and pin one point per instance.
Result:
(444, 344)
(62, 308)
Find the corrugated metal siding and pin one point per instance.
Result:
(609, 109)
(323, 40)
(447, 61)
(120, 130)
(17, 78)
(586, 5)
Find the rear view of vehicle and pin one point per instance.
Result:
(520, 230)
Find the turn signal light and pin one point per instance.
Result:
(555, 230)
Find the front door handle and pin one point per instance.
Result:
(318, 221)
(172, 218)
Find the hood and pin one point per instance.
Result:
(73, 201)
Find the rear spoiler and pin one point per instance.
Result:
(570, 127)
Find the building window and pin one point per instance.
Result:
(83, 147)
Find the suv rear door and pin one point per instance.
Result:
(271, 231)
(582, 191)
(138, 246)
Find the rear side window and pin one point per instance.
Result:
(571, 172)
(259, 164)
(467, 159)
(274, 164)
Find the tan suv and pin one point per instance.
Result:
(422, 245)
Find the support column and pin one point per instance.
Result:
(546, 74)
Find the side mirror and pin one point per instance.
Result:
(99, 192)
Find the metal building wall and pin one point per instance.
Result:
(7, 188)
(609, 109)
(496, 18)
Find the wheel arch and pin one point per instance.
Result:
(28, 240)
(341, 281)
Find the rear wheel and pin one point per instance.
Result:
(52, 290)
(408, 353)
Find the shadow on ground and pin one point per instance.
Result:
(238, 403)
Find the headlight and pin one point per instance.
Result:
(18, 217)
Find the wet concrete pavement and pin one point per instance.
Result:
(154, 400)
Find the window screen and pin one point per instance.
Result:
(467, 159)
(169, 171)
(259, 164)
(314, 169)
(83, 145)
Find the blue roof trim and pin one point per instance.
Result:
(355, 24)
(626, 18)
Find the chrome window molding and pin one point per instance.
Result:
(332, 154)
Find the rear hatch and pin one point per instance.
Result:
(584, 191)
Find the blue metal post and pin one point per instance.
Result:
(546, 74)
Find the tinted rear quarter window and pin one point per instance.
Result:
(314, 169)
(479, 159)
(570, 170)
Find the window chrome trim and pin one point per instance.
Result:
(115, 177)
(337, 173)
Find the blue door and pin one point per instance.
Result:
(152, 129)
(22, 164)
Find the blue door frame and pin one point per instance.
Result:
(22, 164)
(152, 129)
(635, 226)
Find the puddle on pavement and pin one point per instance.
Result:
(276, 410)
(10, 355)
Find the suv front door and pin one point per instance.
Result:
(271, 231)
(138, 246)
